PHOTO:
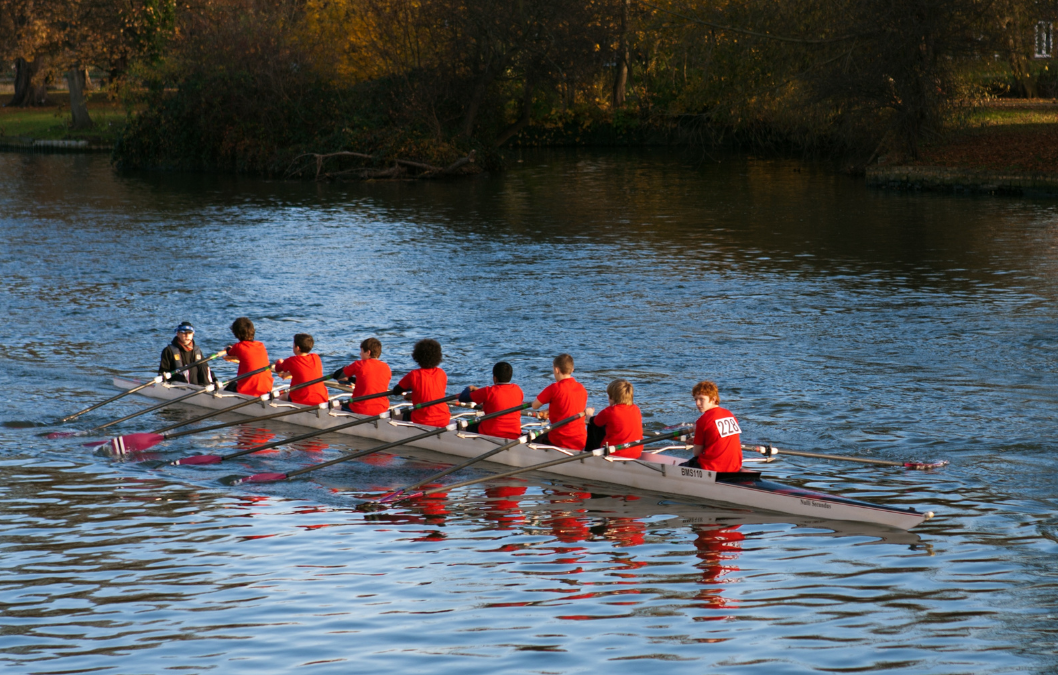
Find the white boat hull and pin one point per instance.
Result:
(652, 473)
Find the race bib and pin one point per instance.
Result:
(728, 426)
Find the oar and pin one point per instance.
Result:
(129, 443)
(521, 440)
(142, 441)
(157, 380)
(214, 459)
(274, 477)
(771, 450)
(207, 389)
(598, 452)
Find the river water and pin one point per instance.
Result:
(833, 318)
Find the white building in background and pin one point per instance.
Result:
(1044, 39)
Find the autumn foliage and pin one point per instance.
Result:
(252, 85)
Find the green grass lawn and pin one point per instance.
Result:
(52, 122)
(1012, 116)
(1005, 135)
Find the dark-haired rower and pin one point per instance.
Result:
(427, 383)
(250, 355)
(303, 367)
(370, 376)
(500, 396)
(183, 351)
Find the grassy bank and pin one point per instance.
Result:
(52, 122)
(1003, 136)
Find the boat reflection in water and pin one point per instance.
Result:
(502, 505)
(245, 437)
(718, 547)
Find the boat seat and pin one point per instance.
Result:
(742, 476)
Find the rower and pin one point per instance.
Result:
(181, 352)
(565, 398)
(250, 355)
(717, 436)
(500, 396)
(620, 422)
(427, 383)
(370, 376)
(302, 367)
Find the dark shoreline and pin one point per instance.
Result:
(963, 180)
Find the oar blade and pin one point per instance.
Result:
(197, 460)
(925, 465)
(63, 434)
(256, 478)
(121, 445)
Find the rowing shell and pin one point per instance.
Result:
(652, 473)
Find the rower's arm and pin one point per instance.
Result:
(696, 450)
(342, 377)
(536, 404)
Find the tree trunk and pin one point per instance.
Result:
(494, 67)
(75, 78)
(527, 107)
(474, 104)
(26, 92)
(620, 80)
(1019, 62)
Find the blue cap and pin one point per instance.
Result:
(185, 327)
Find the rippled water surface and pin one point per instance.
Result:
(834, 318)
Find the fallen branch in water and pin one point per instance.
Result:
(399, 167)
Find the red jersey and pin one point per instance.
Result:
(372, 377)
(624, 424)
(718, 433)
(303, 368)
(251, 356)
(427, 384)
(495, 398)
(566, 398)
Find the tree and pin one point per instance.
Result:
(27, 35)
(73, 35)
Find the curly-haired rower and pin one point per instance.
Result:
(427, 383)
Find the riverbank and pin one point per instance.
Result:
(1005, 147)
(47, 128)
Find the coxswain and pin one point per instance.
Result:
(427, 383)
(620, 422)
(303, 367)
(500, 396)
(250, 355)
(181, 352)
(370, 376)
(717, 436)
(565, 398)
